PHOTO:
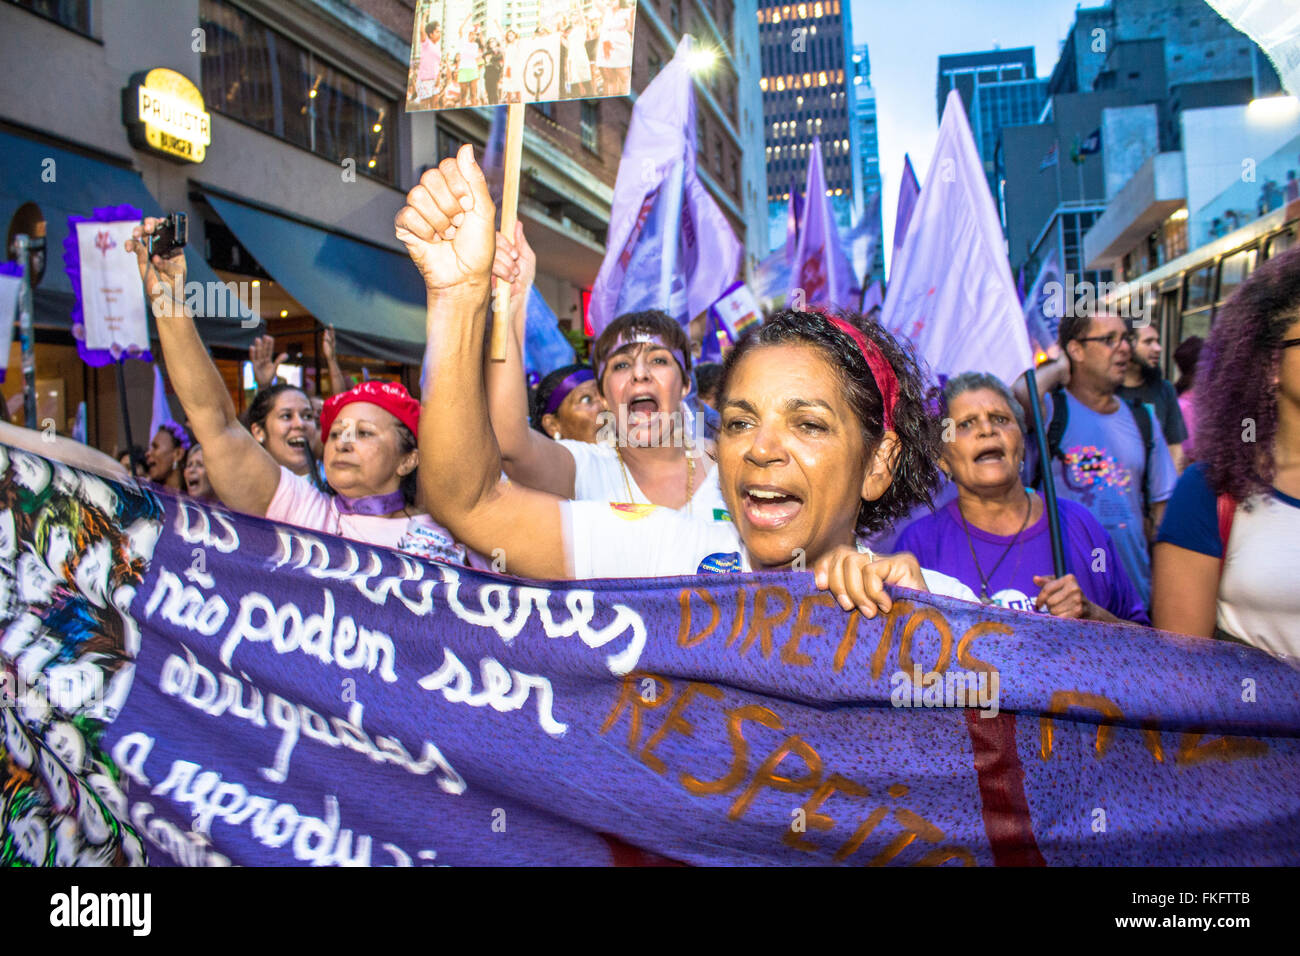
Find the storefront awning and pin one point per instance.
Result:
(372, 296)
(64, 183)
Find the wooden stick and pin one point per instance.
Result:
(509, 216)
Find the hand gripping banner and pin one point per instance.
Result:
(183, 685)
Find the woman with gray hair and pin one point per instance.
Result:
(994, 537)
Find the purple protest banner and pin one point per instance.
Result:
(190, 686)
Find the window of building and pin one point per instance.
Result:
(590, 124)
(73, 14)
(255, 75)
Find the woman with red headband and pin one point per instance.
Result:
(370, 456)
(642, 452)
(824, 436)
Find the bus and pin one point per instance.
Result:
(1189, 291)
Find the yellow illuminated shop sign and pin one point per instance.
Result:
(163, 111)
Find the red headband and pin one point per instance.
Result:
(881, 370)
(389, 396)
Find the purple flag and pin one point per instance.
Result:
(162, 413)
(951, 293)
(1042, 304)
(873, 298)
(908, 190)
(793, 216)
(669, 245)
(821, 269)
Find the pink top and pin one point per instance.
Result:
(297, 501)
(430, 61)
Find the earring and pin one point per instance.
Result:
(556, 436)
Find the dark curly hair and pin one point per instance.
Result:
(917, 472)
(1234, 378)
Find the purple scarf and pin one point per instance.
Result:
(371, 505)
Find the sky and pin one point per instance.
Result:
(905, 39)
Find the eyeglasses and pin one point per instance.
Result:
(1111, 341)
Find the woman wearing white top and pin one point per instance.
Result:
(512, 69)
(1225, 561)
(824, 433)
(577, 68)
(642, 364)
(370, 454)
(614, 49)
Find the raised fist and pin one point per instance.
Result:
(447, 226)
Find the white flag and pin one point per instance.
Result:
(1275, 26)
(952, 294)
(9, 289)
(112, 297)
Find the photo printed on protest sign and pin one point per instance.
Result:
(466, 53)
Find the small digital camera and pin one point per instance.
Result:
(169, 235)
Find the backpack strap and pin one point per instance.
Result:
(1142, 416)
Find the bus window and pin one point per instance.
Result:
(1234, 270)
(1194, 323)
(1200, 288)
(1280, 243)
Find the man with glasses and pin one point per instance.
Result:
(1144, 384)
(1109, 455)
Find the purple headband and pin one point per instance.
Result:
(640, 338)
(571, 381)
(178, 434)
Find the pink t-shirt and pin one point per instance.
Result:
(297, 501)
(430, 61)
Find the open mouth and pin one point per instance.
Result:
(300, 443)
(768, 507)
(642, 406)
(991, 454)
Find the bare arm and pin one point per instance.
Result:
(1184, 590)
(62, 449)
(530, 458)
(338, 382)
(243, 475)
(447, 227)
(1049, 376)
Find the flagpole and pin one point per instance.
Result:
(1049, 480)
(26, 337)
(126, 412)
(509, 216)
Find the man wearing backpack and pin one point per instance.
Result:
(1107, 454)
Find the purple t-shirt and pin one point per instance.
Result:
(939, 542)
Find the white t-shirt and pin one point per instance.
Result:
(297, 501)
(599, 476)
(1258, 597)
(610, 540)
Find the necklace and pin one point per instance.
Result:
(690, 477)
(984, 580)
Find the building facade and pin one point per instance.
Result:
(864, 115)
(1128, 73)
(806, 88)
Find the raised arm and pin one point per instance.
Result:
(530, 458)
(447, 227)
(1049, 375)
(243, 475)
(338, 381)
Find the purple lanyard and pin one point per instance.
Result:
(372, 505)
